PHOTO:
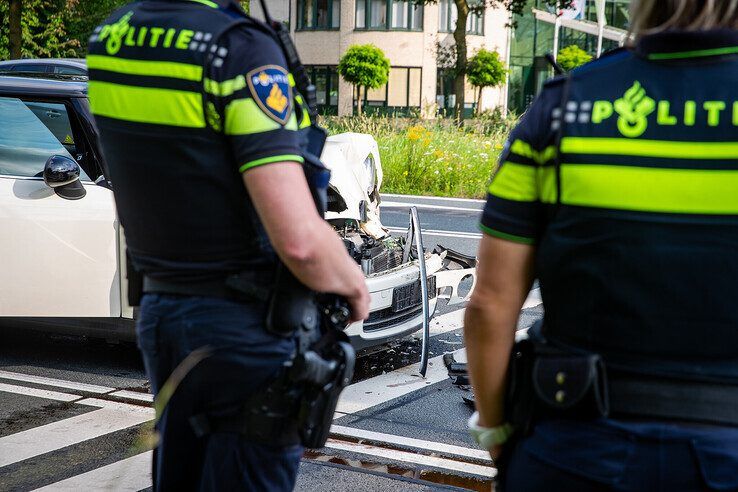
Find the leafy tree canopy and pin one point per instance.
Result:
(485, 69)
(572, 56)
(365, 66)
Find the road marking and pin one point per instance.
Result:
(134, 395)
(428, 206)
(434, 232)
(57, 383)
(442, 198)
(379, 389)
(418, 459)
(131, 474)
(438, 447)
(447, 322)
(38, 393)
(60, 434)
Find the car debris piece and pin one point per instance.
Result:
(459, 375)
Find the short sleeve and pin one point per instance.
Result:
(252, 100)
(524, 179)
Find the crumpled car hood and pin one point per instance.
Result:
(344, 155)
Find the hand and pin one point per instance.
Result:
(359, 300)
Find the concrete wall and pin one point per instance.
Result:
(278, 9)
(403, 48)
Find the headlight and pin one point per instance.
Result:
(370, 171)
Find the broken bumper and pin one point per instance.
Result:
(388, 319)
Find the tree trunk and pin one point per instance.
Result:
(479, 101)
(358, 100)
(15, 36)
(462, 7)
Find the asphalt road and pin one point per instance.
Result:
(72, 411)
(452, 223)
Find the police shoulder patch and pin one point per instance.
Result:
(270, 88)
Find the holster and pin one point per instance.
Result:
(135, 283)
(547, 381)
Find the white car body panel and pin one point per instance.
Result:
(60, 257)
(344, 155)
(64, 258)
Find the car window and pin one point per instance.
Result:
(29, 67)
(64, 70)
(56, 119)
(25, 142)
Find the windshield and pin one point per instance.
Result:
(26, 142)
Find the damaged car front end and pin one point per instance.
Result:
(405, 281)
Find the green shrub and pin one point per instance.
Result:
(572, 57)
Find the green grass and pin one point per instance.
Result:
(432, 157)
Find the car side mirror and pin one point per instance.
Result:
(62, 175)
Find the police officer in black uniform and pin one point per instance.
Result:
(618, 191)
(202, 130)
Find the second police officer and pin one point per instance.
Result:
(618, 192)
(201, 128)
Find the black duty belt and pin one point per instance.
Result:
(243, 287)
(661, 398)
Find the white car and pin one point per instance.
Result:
(62, 248)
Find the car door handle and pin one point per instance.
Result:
(53, 114)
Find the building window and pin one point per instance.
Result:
(400, 94)
(447, 16)
(318, 14)
(325, 79)
(389, 14)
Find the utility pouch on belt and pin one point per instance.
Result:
(546, 381)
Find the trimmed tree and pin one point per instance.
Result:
(485, 69)
(572, 57)
(364, 66)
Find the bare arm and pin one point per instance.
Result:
(504, 278)
(307, 245)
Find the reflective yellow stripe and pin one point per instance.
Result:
(650, 189)
(270, 160)
(149, 68)
(305, 115)
(225, 88)
(522, 183)
(146, 104)
(206, 2)
(524, 149)
(650, 148)
(244, 117)
(515, 182)
(547, 184)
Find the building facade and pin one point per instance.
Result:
(535, 35)
(414, 39)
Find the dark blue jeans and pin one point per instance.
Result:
(610, 455)
(245, 359)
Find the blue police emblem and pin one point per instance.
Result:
(270, 88)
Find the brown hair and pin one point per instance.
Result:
(650, 16)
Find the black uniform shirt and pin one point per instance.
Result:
(639, 259)
(176, 139)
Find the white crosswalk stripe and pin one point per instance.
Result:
(119, 409)
(57, 435)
